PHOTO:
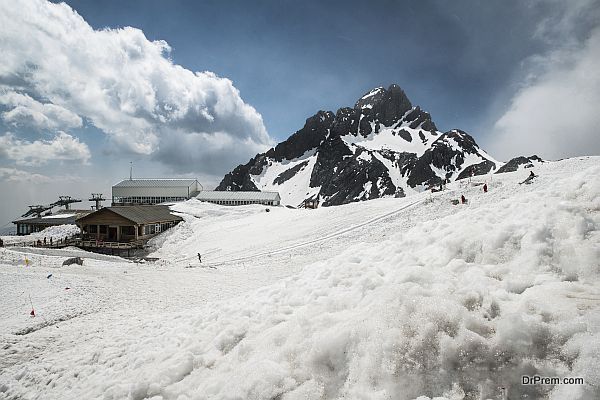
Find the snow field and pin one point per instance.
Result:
(434, 300)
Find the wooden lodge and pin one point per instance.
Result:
(125, 224)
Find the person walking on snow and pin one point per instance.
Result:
(200, 258)
(485, 188)
(463, 200)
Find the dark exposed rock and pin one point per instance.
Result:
(332, 153)
(477, 169)
(346, 122)
(349, 181)
(239, 178)
(446, 153)
(289, 173)
(418, 117)
(516, 162)
(310, 136)
(73, 260)
(392, 106)
(403, 161)
(404, 134)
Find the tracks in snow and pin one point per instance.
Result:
(310, 242)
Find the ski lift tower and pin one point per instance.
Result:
(97, 198)
(36, 210)
(65, 201)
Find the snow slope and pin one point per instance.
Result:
(386, 299)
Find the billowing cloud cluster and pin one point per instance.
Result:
(25, 111)
(555, 113)
(19, 176)
(57, 69)
(63, 147)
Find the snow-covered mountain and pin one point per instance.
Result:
(381, 147)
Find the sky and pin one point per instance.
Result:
(194, 88)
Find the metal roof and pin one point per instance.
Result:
(210, 195)
(156, 183)
(139, 214)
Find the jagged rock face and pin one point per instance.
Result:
(240, 178)
(448, 154)
(515, 163)
(310, 136)
(383, 146)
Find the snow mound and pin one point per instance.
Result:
(55, 232)
(458, 307)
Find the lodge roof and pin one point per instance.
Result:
(139, 214)
(156, 183)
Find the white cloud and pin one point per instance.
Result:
(124, 84)
(25, 111)
(555, 113)
(20, 176)
(63, 147)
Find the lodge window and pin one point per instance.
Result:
(92, 229)
(104, 229)
(128, 230)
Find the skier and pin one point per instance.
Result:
(44, 241)
(485, 188)
(200, 258)
(50, 241)
(463, 200)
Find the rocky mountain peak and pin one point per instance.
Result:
(371, 97)
(383, 146)
(384, 105)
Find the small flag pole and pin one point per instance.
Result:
(32, 313)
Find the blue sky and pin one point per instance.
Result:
(193, 88)
(290, 59)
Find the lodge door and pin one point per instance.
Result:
(112, 234)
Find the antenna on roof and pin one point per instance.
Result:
(130, 170)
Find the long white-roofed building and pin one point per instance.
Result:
(238, 198)
(154, 191)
